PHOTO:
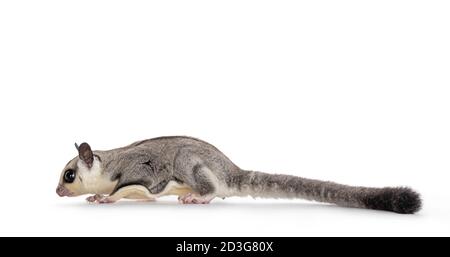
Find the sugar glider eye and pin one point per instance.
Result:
(69, 176)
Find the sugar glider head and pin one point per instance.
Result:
(84, 175)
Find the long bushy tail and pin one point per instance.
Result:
(259, 184)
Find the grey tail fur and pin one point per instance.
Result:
(396, 199)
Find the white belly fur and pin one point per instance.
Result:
(175, 188)
(172, 188)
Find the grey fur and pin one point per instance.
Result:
(154, 162)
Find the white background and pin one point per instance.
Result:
(352, 91)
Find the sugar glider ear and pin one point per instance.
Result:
(85, 153)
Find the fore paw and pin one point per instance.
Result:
(99, 199)
(94, 198)
(194, 199)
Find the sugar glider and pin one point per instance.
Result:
(198, 172)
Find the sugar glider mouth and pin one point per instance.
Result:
(62, 191)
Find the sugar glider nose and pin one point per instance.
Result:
(59, 191)
(62, 191)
